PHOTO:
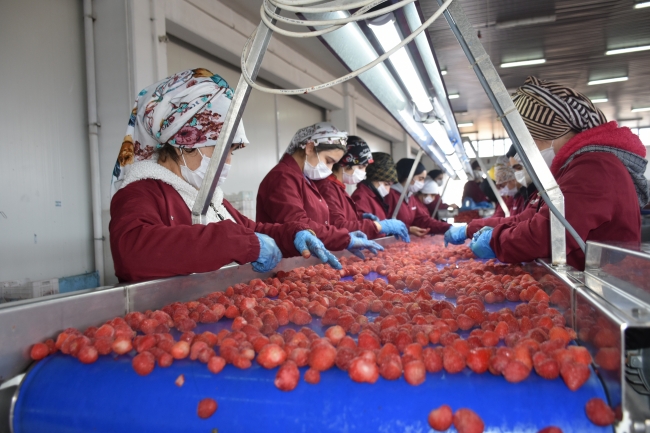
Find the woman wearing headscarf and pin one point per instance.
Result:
(351, 170)
(438, 177)
(288, 193)
(582, 149)
(413, 212)
(170, 138)
(506, 183)
(370, 193)
(472, 188)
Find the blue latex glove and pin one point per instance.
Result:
(456, 235)
(307, 244)
(359, 241)
(480, 244)
(395, 227)
(370, 216)
(270, 254)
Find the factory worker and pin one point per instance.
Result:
(412, 211)
(472, 188)
(351, 170)
(170, 138)
(506, 183)
(371, 192)
(582, 149)
(288, 192)
(438, 177)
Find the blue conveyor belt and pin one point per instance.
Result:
(62, 395)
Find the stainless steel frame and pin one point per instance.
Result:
(405, 190)
(444, 188)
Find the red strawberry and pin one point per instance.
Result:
(287, 377)
(465, 322)
(122, 345)
(271, 356)
(300, 355)
(165, 360)
(453, 361)
(548, 368)
(550, 429)
(143, 363)
(478, 360)
(490, 339)
(105, 331)
(390, 368)
(516, 371)
(609, 358)
(599, 412)
(180, 350)
(361, 370)
(312, 376)
(87, 354)
(432, 360)
(580, 354)
(574, 374)
(322, 356)
(440, 419)
(467, 421)
(207, 407)
(335, 334)
(216, 364)
(39, 351)
(415, 372)
(180, 380)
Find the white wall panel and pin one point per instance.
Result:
(375, 142)
(251, 164)
(46, 229)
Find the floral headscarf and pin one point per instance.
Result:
(186, 110)
(319, 132)
(503, 173)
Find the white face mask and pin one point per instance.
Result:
(195, 177)
(505, 191)
(548, 155)
(224, 174)
(415, 187)
(316, 173)
(523, 178)
(478, 175)
(354, 178)
(382, 190)
(439, 182)
(428, 200)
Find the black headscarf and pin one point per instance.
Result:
(358, 152)
(404, 166)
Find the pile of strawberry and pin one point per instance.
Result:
(415, 328)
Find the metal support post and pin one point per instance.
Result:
(516, 129)
(229, 128)
(408, 182)
(444, 188)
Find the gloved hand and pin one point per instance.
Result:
(370, 216)
(395, 227)
(307, 243)
(359, 241)
(456, 235)
(480, 244)
(270, 254)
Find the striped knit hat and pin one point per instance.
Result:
(551, 110)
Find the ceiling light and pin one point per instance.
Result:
(599, 100)
(454, 95)
(642, 5)
(443, 72)
(628, 50)
(523, 63)
(465, 125)
(389, 37)
(439, 134)
(640, 109)
(416, 127)
(526, 22)
(607, 80)
(454, 161)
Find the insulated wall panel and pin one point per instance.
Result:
(376, 143)
(45, 210)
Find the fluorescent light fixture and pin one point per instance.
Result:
(439, 134)
(640, 109)
(443, 72)
(642, 5)
(465, 125)
(469, 151)
(389, 37)
(415, 126)
(607, 80)
(461, 174)
(454, 161)
(599, 100)
(523, 63)
(454, 95)
(627, 50)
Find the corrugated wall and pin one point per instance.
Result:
(45, 219)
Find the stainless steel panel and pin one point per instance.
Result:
(24, 323)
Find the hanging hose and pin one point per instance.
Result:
(269, 15)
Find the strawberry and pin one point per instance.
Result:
(206, 408)
(322, 356)
(574, 374)
(609, 358)
(287, 376)
(432, 360)
(467, 421)
(122, 345)
(548, 368)
(39, 351)
(312, 376)
(216, 364)
(390, 367)
(180, 380)
(415, 372)
(143, 363)
(441, 419)
(516, 371)
(335, 334)
(164, 360)
(478, 360)
(550, 429)
(599, 412)
(271, 356)
(452, 360)
(180, 350)
(361, 370)
(87, 354)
